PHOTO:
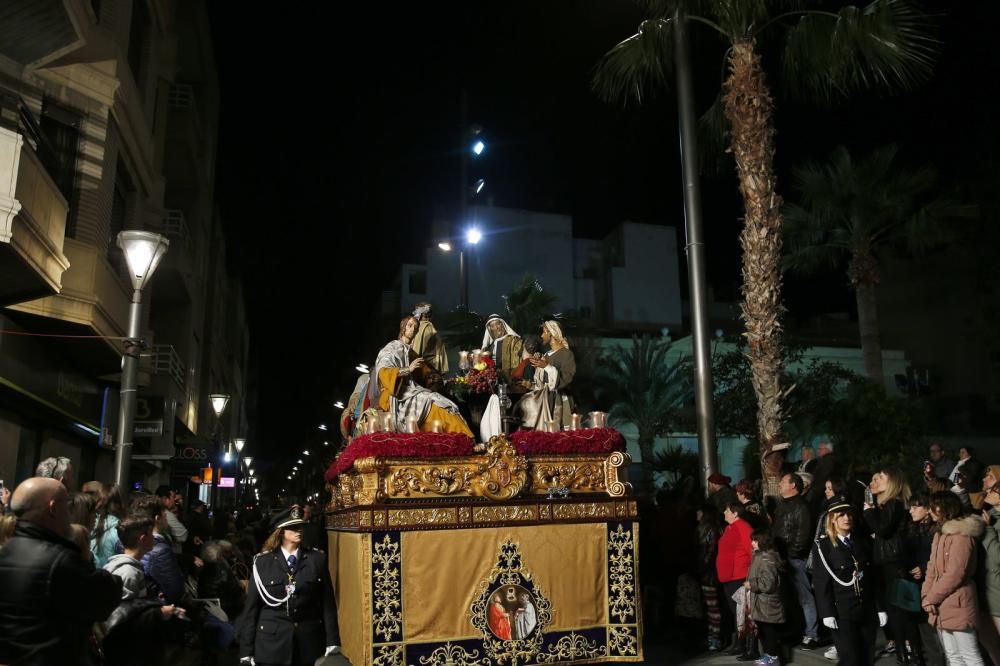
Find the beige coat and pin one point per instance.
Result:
(950, 585)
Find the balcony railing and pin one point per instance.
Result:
(166, 361)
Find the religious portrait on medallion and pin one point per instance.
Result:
(511, 614)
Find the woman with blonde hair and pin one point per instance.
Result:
(846, 586)
(886, 517)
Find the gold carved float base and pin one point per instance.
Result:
(500, 474)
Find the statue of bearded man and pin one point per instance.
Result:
(503, 343)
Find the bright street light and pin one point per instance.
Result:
(219, 402)
(339, 404)
(239, 443)
(306, 452)
(478, 187)
(473, 236)
(445, 246)
(478, 147)
(248, 460)
(143, 252)
(322, 426)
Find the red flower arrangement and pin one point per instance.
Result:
(586, 440)
(400, 445)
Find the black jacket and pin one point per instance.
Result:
(886, 522)
(49, 599)
(305, 625)
(792, 528)
(835, 600)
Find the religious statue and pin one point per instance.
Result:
(426, 343)
(549, 399)
(394, 390)
(503, 343)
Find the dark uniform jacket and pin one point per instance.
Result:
(835, 600)
(49, 599)
(295, 632)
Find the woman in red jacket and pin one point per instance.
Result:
(733, 561)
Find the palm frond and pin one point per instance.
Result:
(887, 44)
(528, 304)
(634, 68)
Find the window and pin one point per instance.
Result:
(138, 32)
(417, 282)
(58, 147)
(119, 212)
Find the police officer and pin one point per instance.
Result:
(291, 615)
(846, 585)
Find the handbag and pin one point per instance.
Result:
(905, 594)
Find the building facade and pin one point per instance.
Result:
(109, 117)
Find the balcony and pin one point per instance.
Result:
(32, 211)
(176, 280)
(167, 362)
(37, 32)
(186, 166)
(94, 301)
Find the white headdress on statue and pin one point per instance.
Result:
(556, 332)
(421, 310)
(488, 337)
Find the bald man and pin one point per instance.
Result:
(51, 595)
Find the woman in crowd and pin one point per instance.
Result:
(948, 595)
(733, 561)
(919, 642)
(764, 583)
(104, 541)
(988, 578)
(753, 510)
(708, 549)
(847, 590)
(82, 510)
(886, 518)
(290, 615)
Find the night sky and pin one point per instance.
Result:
(340, 126)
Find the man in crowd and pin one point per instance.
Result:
(792, 532)
(720, 494)
(176, 533)
(60, 469)
(51, 596)
(943, 466)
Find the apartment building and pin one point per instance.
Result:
(109, 117)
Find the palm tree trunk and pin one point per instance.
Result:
(863, 272)
(749, 109)
(646, 446)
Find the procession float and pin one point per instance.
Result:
(516, 545)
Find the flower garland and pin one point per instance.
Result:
(586, 440)
(400, 445)
(451, 444)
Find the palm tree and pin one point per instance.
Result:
(857, 210)
(826, 54)
(645, 390)
(528, 305)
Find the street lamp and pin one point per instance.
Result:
(143, 252)
(219, 402)
(239, 443)
(248, 460)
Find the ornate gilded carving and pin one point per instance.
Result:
(497, 514)
(621, 575)
(587, 477)
(464, 514)
(378, 519)
(571, 648)
(430, 481)
(600, 510)
(504, 473)
(387, 606)
(365, 519)
(497, 472)
(510, 585)
(411, 517)
(389, 655)
(544, 511)
(615, 473)
(454, 655)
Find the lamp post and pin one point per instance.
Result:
(219, 402)
(470, 238)
(143, 252)
(239, 443)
